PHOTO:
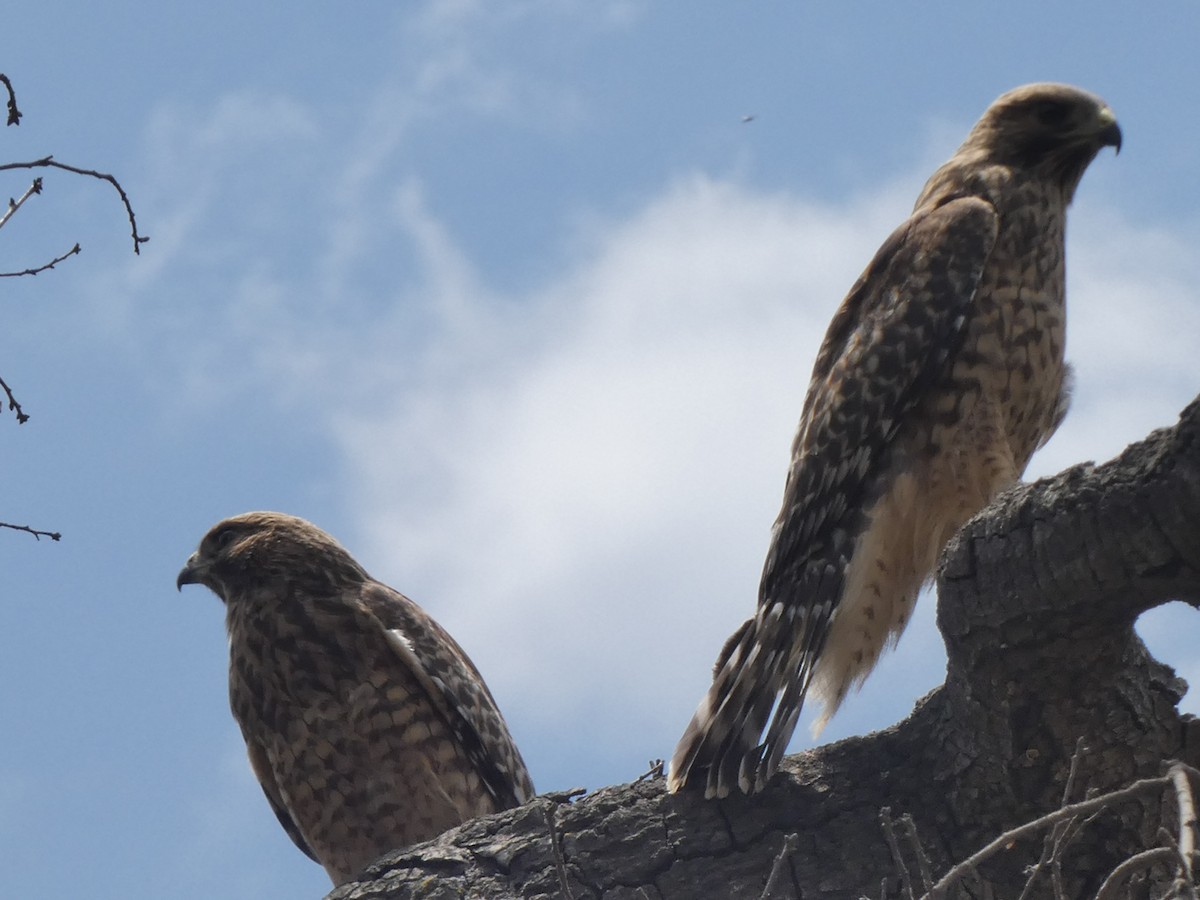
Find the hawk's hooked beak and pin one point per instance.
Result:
(1108, 132)
(191, 573)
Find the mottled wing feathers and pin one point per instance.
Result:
(465, 704)
(265, 773)
(891, 340)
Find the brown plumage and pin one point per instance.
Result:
(366, 724)
(939, 376)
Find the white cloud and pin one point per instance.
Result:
(580, 482)
(212, 218)
(1132, 318)
(609, 450)
(454, 16)
(194, 156)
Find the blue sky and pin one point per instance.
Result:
(511, 300)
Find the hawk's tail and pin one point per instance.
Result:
(759, 676)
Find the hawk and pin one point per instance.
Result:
(940, 375)
(368, 727)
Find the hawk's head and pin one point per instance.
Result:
(258, 549)
(1053, 130)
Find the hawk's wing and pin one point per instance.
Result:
(455, 689)
(889, 343)
(266, 777)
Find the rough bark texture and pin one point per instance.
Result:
(1037, 597)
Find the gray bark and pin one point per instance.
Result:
(1037, 598)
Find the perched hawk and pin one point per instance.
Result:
(939, 376)
(366, 724)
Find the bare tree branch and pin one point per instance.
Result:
(22, 417)
(550, 811)
(910, 830)
(1184, 853)
(655, 770)
(14, 118)
(14, 205)
(51, 162)
(889, 833)
(1140, 788)
(14, 114)
(1054, 844)
(1116, 879)
(1185, 885)
(42, 268)
(775, 879)
(38, 535)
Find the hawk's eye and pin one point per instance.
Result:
(1052, 113)
(224, 537)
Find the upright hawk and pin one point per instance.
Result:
(366, 724)
(939, 376)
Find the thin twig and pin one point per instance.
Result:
(1069, 788)
(889, 832)
(910, 829)
(1144, 860)
(14, 205)
(1070, 830)
(1143, 786)
(38, 535)
(22, 416)
(1036, 869)
(550, 810)
(14, 114)
(1056, 880)
(563, 796)
(52, 163)
(42, 268)
(1060, 835)
(655, 771)
(1187, 813)
(1186, 884)
(1184, 767)
(790, 843)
